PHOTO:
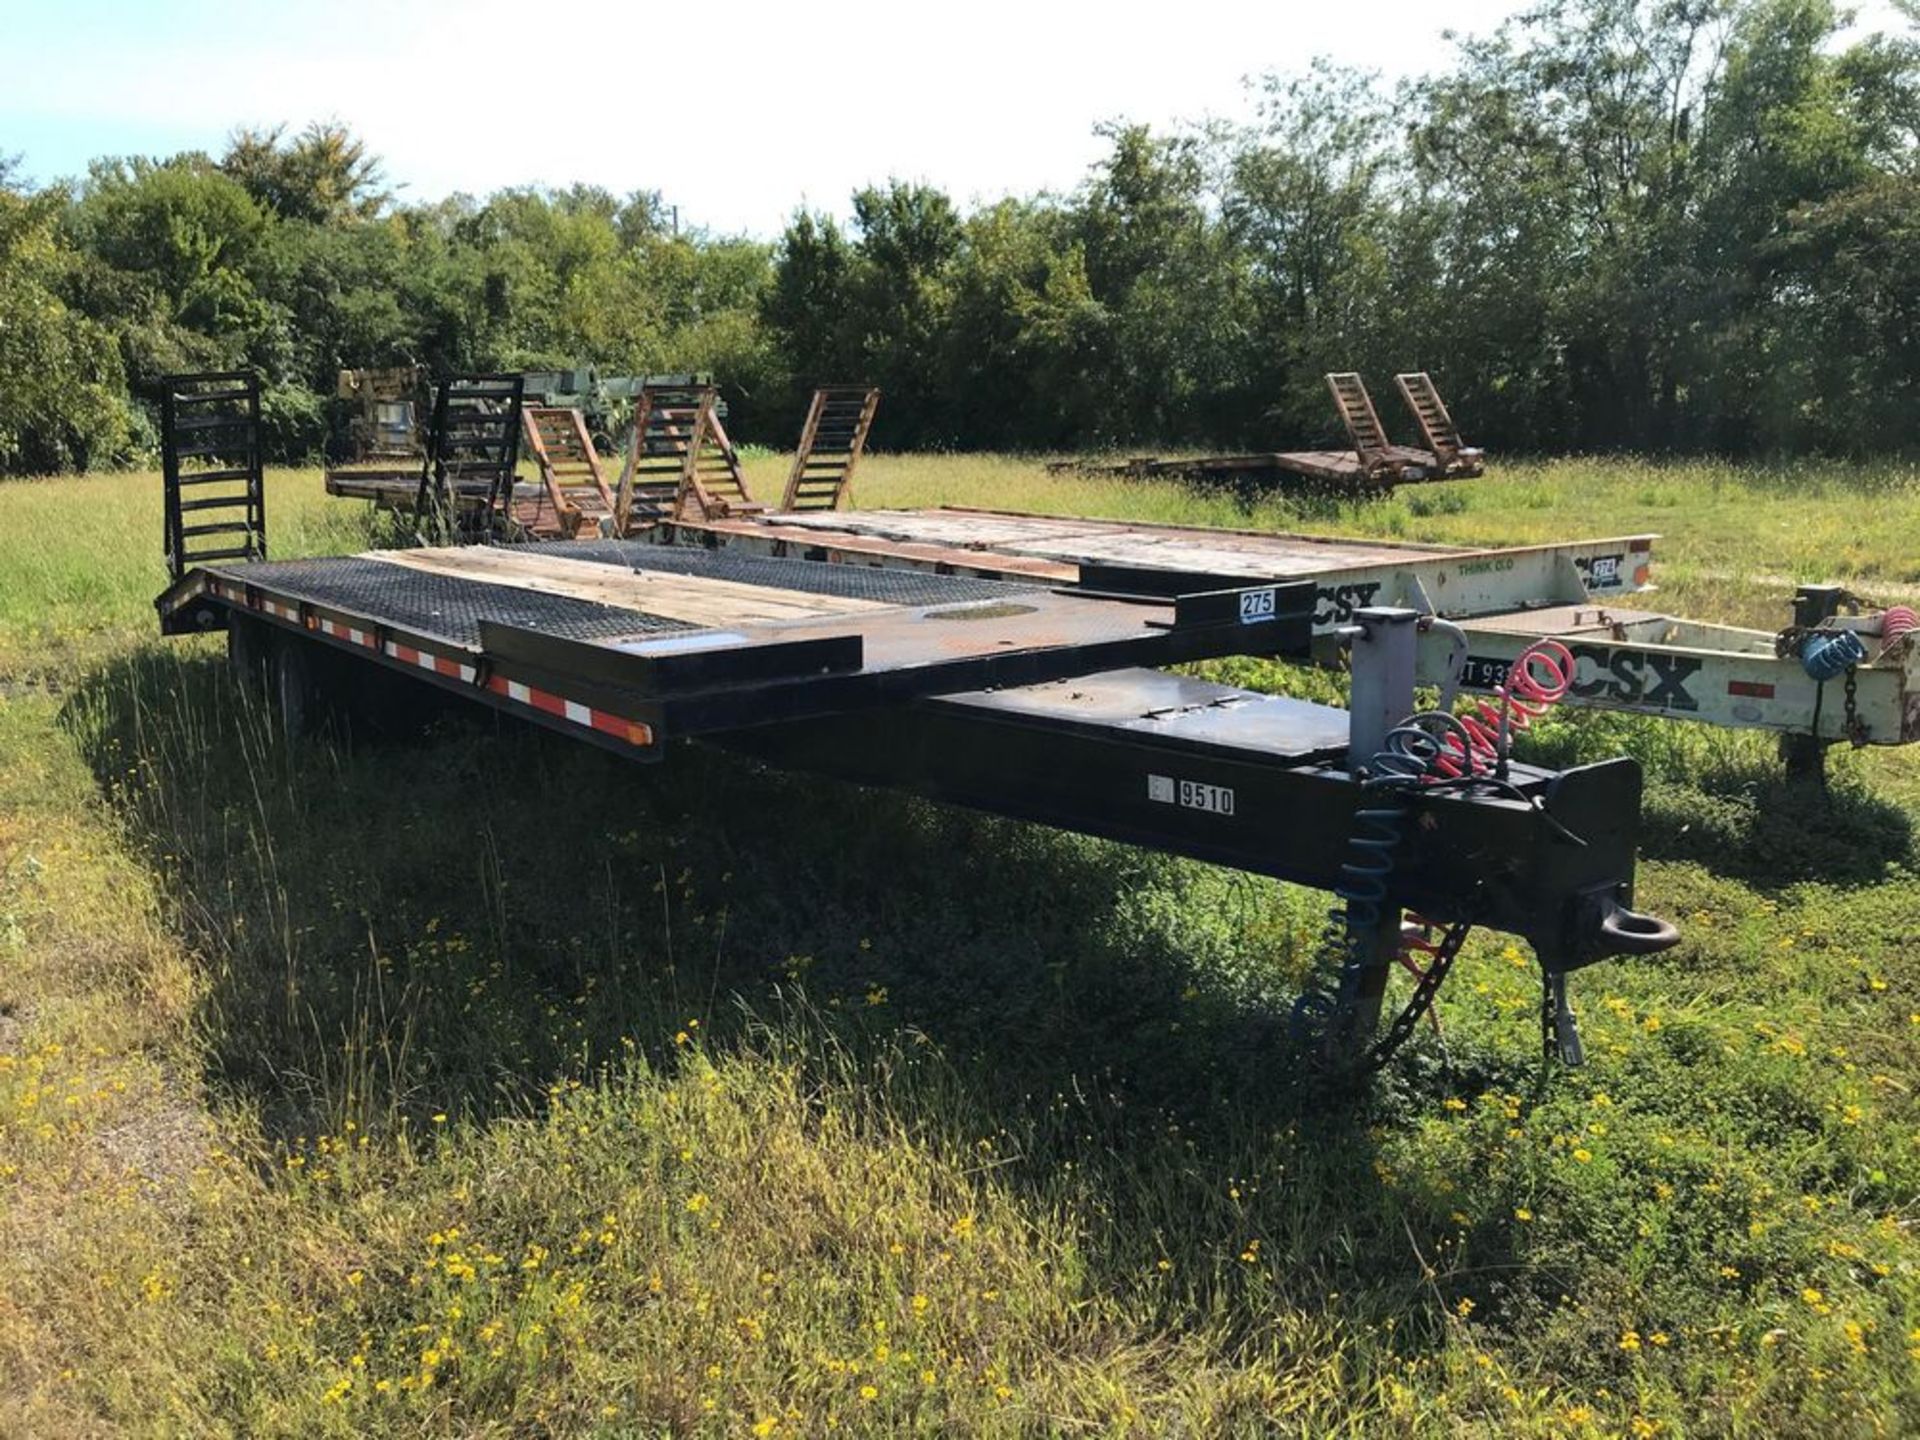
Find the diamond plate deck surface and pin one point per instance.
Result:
(451, 608)
(853, 582)
(440, 605)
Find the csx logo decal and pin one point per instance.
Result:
(1615, 677)
(1335, 606)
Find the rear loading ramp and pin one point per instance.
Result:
(832, 440)
(474, 443)
(466, 478)
(639, 643)
(214, 492)
(680, 463)
(1450, 453)
(577, 496)
(1371, 448)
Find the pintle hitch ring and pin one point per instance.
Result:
(1628, 932)
(1599, 927)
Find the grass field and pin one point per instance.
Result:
(498, 1088)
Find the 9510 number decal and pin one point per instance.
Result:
(1191, 794)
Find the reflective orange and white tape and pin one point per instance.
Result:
(620, 727)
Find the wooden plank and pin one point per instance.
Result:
(695, 599)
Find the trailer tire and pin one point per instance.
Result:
(297, 697)
(249, 654)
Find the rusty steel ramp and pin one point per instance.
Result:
(1446, 452)
(680, 463)
(577, 499)
(832, 441)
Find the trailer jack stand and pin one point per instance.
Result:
(1805, 758)
(1559, 1029)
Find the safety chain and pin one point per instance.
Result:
(1790, 641)
(1425, 991)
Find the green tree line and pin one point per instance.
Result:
(1688, 225)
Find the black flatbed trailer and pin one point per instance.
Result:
(1038, 702)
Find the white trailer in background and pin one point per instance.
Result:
(1631, 659)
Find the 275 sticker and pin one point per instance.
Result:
(1257, 605)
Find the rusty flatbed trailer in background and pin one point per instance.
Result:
(1027, 700)
(1374, 463)
(1629, 658)
(465, 479)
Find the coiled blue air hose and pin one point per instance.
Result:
(1828, 657)
(1407, 757)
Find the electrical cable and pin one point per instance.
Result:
(1431, 750)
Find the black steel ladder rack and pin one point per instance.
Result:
(473, 452)
(216, 505)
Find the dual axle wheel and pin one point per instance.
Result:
(316, 692)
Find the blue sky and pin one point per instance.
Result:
(737, 117)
